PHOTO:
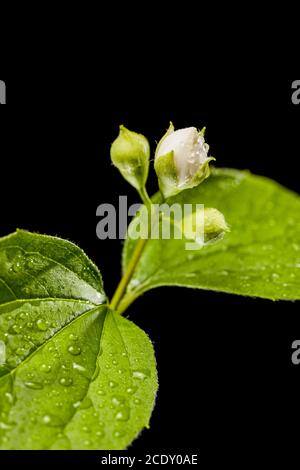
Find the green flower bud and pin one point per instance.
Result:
(130, 153)
(181, 160)
(206, 225)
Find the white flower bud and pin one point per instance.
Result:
(181, 160)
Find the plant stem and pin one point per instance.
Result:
(121, 288)
(145, 198)
(117, 297)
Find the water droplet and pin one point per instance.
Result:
(42, 324)
(131, 390)
(29, 325)
(21, 351)
(114, 362)
(52, 420)
(112, 384)
(99, 433)
(45, 368)
(85, 429)
(46, 419)
(9, 398)
(78, 367)
(5, 426)
(141, 374)
(118, 434)
(17, 266)
(87, 443)
(15, 329)
(77, 404)
(275, 276)
(73, 337)
(74, 350)
(33, 385)
(118, 400)
(137, 401)
(66, 381)
(123, 415)
(124, 354)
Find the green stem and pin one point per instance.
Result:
(121, 288)
(127, 300)
(117, 297)
(145, 197)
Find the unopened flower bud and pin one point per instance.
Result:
(130, 153)
(181, 160)
(206, 225)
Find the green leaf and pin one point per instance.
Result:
(74, 375)
(260, 256)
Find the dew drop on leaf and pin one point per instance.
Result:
(112, 384)
(123, 415)
(141, 374)
(33, 385)
(131, 390)
(74, 350)
(65, 381)
(73, 337)
(118, 434)
(118, 401)
(45, 368)
(42, 324)
(51, 420)
(78, 367)
(9, 397)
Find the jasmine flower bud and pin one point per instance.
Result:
(206, 225)
(130, 153)
(181, 160)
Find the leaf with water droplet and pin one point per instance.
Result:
(64, 364)
(264, 220)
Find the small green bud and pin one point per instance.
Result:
(181, 160)
(130, 153)
(206, 225)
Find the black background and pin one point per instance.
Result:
(227, 384)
